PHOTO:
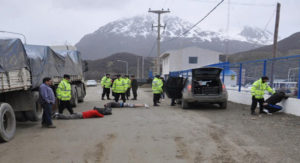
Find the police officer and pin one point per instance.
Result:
(128, 86)
(64, 96)
(119, 88)
(257, 91)
(106, 83)
(157, 85)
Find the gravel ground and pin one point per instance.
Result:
(163, 134)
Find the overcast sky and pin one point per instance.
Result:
(54, 22)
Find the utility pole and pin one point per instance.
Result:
(275, 42)
(158, 12)
(138, 68)
(143, 63)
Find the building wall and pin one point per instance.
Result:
(165, 65)
(178, 60)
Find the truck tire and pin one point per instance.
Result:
(7, 122)
(36, 113)
(20, 116)
(82, 90)
(74, 99)
(184, 104)
(223, 105)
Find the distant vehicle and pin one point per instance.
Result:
(91, 83)
(204, 86)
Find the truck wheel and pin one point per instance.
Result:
(35, 114)
(223, 105)
(81, 99)
(7, 122)
(74, 99)
(184, 104)
(20, 116)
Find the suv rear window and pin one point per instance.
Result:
(207, 71)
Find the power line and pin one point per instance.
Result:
(269, 21)
(244, 4)
(197, 22)
(151, 50)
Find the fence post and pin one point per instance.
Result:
(240, 77)
(265, 68)
(299, 80)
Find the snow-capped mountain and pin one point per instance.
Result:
(135, 35)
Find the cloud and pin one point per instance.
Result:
(90, 4)
(55, 21)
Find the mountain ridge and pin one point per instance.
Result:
(134, 35)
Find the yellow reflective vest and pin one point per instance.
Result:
(157, 85)
(63, 90)
(258, 89)
(119, 86)
(127, 83)
(106, 82)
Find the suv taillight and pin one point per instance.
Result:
(223, 87)
(189, 87)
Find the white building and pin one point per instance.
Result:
(187, 58)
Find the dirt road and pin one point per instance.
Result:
(158, 135)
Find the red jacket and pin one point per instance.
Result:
(91, 114)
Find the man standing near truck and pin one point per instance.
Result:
(157, 85)
(257, 91)
(106, 84)
(64, 95)
(47, 99)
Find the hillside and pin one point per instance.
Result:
(97, 68)
(286, 47)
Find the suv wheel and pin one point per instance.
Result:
(223, 105)
(184, 104)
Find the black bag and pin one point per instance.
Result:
(174, 87)
(104, 111)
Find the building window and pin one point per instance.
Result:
(193, 60)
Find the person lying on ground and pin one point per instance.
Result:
(270, 104)
(82, 115)
(98, 112)
(122, 105)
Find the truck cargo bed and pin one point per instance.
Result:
(15, 80)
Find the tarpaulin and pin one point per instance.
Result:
(44, 62)
(12, 55)
(73, 62)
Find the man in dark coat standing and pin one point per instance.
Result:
(134, 86)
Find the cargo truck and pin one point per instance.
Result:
(22, 69)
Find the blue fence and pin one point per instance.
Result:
(240, 76)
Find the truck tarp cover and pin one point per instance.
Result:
(44, 62)
(12, 55)
(73, 62)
